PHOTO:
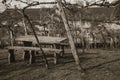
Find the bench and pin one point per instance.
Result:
(31, 52)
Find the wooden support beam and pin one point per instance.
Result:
(32, 57)
(71, 42)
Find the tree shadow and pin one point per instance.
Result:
(68, 58)
(95, 66)
(87, 53)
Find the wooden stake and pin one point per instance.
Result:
(71, 42)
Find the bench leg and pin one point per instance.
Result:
(63, 51)
(32, 57)
(26, 55)
(11, 56)
(55, 58)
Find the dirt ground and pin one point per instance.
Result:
(98, 64)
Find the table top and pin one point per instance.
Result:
(42, 39)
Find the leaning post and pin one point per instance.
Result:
(71, 42)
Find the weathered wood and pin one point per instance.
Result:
(32, 57)
(42, 39)
(71, 42)
(11, 56)
(46, 50)
(31, 51)
(55, 58)
(63, 50)
(59, 46)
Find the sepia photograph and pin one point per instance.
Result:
(59, 40)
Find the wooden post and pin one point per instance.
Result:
(63, 51)
(55, 58)
(32, 57)
(71, 42)
(11, 56)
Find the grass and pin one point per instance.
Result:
(99, 64)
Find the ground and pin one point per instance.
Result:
(98, 64)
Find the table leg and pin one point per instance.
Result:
(11, 56)
(26, 55)
(63, 51)
(32, 57)
(55, 58)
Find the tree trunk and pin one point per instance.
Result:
(83, 44)
(11, 38)
(25, 29)
(94, 42)
(71, 42)
(103, 39)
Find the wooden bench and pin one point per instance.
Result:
(31, 52)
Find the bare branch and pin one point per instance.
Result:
(16, 8)
(23, 1)
(31, 26)
(36, 2)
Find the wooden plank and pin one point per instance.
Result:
(42, 39)
(34, 48)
